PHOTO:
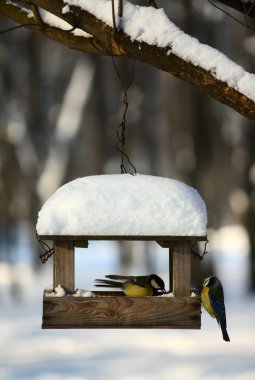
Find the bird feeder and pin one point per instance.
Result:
(123, 207)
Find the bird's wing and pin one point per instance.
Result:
(139, 280)
(217, 302)
(119, 277)
(218, 306)
(108, 283)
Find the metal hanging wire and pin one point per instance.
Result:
(47, 252)
(122, 127)
(120, 12)
(198, 255)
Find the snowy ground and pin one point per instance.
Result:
(29, 353)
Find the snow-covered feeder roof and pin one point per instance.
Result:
(122, 205)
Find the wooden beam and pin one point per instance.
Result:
(121, 312)
(63, 265)
(180, 268)
(81, 243)
(163, 241)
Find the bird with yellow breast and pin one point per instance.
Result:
(212, 297)
(134, 286)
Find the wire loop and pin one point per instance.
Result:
(196, 254)
(48, 252)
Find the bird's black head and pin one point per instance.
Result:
(211, 281)
(157, 283)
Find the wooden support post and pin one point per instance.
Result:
(180, 268)
(63, 271)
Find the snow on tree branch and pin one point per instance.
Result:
(148, 35)
(23, 16)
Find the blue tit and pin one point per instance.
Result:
(134, 286)
(212, 297)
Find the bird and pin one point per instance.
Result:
(134, 286)
(212, 297)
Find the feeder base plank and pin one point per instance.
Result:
(121, 312)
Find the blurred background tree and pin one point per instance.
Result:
(60, 110)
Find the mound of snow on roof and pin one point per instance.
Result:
(123, 205)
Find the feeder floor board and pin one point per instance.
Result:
(114, 310)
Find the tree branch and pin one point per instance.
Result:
(247, 8)
(118, 43)
(22, 17)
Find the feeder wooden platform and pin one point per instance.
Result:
(114, 309)
(119, 311)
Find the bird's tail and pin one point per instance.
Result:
(118, 277)
(223, 327)
(108, 283)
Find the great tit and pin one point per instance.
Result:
(134, 286)
(212, 297)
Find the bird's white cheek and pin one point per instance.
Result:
(154, 284)
(206, 281)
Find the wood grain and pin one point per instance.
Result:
(63, 265)
(121, 312)
(81, 244)
(180, 268)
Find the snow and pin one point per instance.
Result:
(60, 292)
(152, 26)
(123, 205)
(22, 9)
(169, 295)
(83, 293)
(52, 20)
(56, 22)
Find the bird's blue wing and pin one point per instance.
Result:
(218, 306)
(217, 303)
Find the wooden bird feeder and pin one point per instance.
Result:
(123, 207)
